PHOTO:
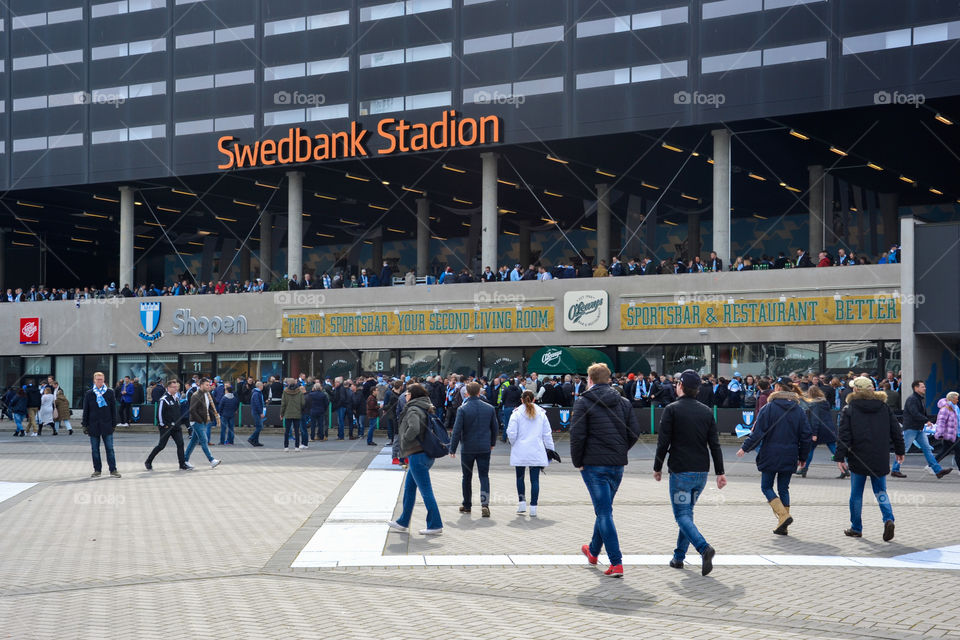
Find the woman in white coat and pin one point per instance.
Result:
(45, 414)
(530, 436)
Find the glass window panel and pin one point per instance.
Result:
(194, 126)
(162, 367)
(538, 36)
(731, 62)
(265, 364)
(858, 357)
(461, 361)
(877, 41)
(328, 112)
(309, 363)
(340, 364)
(422, 6)
(234, 78)
(730, 8)
(381, 59)
(419, 363)
(639, 359)
(499, 361)
(746, 359)
(199, 364)
(9, 371)
(194, 39)
(799, 358)
(233, 122)
(324, 20)
(283, 117)
(92, 364)
(488, 43)
(37, 367)
(795, 53)
(381, 11)
(779, 4)
(65, 57)
(333, 65)
(538, 87)
(429, 52)
(603, 78)
(678, 358)
(29, 62)
(278, 27)
(383, 105)
(427, 100)
(134, 366)
(892, 357)
(602, 27)
(232, 365)
(646, 73)
(231, 34)
(936, 33)
(373, 363)
(661, 18)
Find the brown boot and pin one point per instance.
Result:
(783, 516)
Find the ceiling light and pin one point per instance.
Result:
(22, 244)
(551, 193)
(378, 207)
(360, 178)
(104, 198)
(196, 244)
(505, 211)
(307, 246)
(454, 169)
(789, 188)
(345, 221)
(908, 180)
(29, 204)
(438, 237)
(22, 219)
(225, 219)
(510, 233)
(202, 232)
(585, 228)
(412, 190)
(138, 247)
(695, 154)
(168, 209)
(325, 197)
(80, 226)
(943, 119)
(395, 230)
(462, 201)
(385, 183)
(246, 204)
(267, 185)
(146, 222)
(139, 235)
(797, 134)
(874, 166)
(554, 158)
(672, 224)
(936, 192)
(325, 235)
(508, 183)
(96, 215)
(683, 195)
(756, 176)
(710, 161)
(184, 193)
(24, 233)
(464, 224)
(759, 217)
(84, 240)
(549, 220)
(606, 173)
(670, 147)
(649, 186)
(838, 151)
(137, 203)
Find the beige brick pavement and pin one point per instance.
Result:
(206, 554)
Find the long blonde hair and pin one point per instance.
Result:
(528, 406)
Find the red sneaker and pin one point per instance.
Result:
(592, 559)
(396, 461)
(615, 571)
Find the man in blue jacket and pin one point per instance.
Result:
(258, 409)
(99, 418)
(227, 408)
(126, 402)
(476, 427)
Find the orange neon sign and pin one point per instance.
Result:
(451, 130)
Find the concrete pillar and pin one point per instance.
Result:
(693, 234)
(523, 244)
(889, 203)
(908, 339)
(295, 224)
(126, 238)
(423, 236)
(266, 247)
(488, 210)
(815, 195)
(603, 224)
(721, 194)
(244, 259)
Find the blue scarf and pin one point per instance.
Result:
(99, 393)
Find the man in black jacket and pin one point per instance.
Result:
(476, 427)
(168, 420)
(509, 400)
(33, 406)
(99, 418)
(915, 418)
(688, 431)
(603, 428)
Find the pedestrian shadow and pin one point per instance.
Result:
(465, 522)
(692, 585)
(530, 523)
(792, 545)
(613, 595)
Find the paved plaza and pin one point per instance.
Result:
(292, 545)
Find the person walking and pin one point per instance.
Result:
(947, 420)
(203, 413)
(603, 429)
(258, 409)
(782, 432)
(688, 433)
(45, 415)
(411, 431)
(821, 424)
(18, 408)
(530, 437)
(99, 419)
(33, 406)
(915, 419)
(227, 408)
(63, 413)
(319, 405)
(868, 428)
(168, 419)
(510, 392)
(291, 412)
(476, 428)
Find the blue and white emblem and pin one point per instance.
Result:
(150, 320)
(565, 418)
(743, 430)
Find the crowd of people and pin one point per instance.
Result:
(357, 277)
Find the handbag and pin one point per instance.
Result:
(435, 441)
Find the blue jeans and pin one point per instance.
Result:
(602, 484)
(200, 432)
(783, 485)
(917, 435)
(318, 426)
(95, 449)
(19, 418)
(362, 424)
(685, 488)
(209, 431)
(257, 428)
(829, 445)
(226, 430)
(879, 485)
(534, 484)
(341, 414)
(291, 426)
(504, 421)
(418, 477)
(373, 423)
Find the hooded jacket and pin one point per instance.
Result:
(783, 430)
(413, 425)
(228, 404)
(603, 427)
(867, 429)
(946, 421)
(291, 403)
(821, 421)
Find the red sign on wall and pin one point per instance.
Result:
(29, 330)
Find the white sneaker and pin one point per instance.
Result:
(33, 435)
(929, 470)
(522, 507)
(533, 511)
(214, 463)
(397, 527)
(303, 446)
(431, 532)
(286, 449)
(188, 466)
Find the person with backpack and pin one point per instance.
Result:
(784, 432)
(530, 437)
(414, 422)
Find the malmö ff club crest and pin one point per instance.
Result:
(150, 320)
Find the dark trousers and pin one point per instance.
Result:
(165, 434)
(954, 448)
(483, 470)
(126, 413)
